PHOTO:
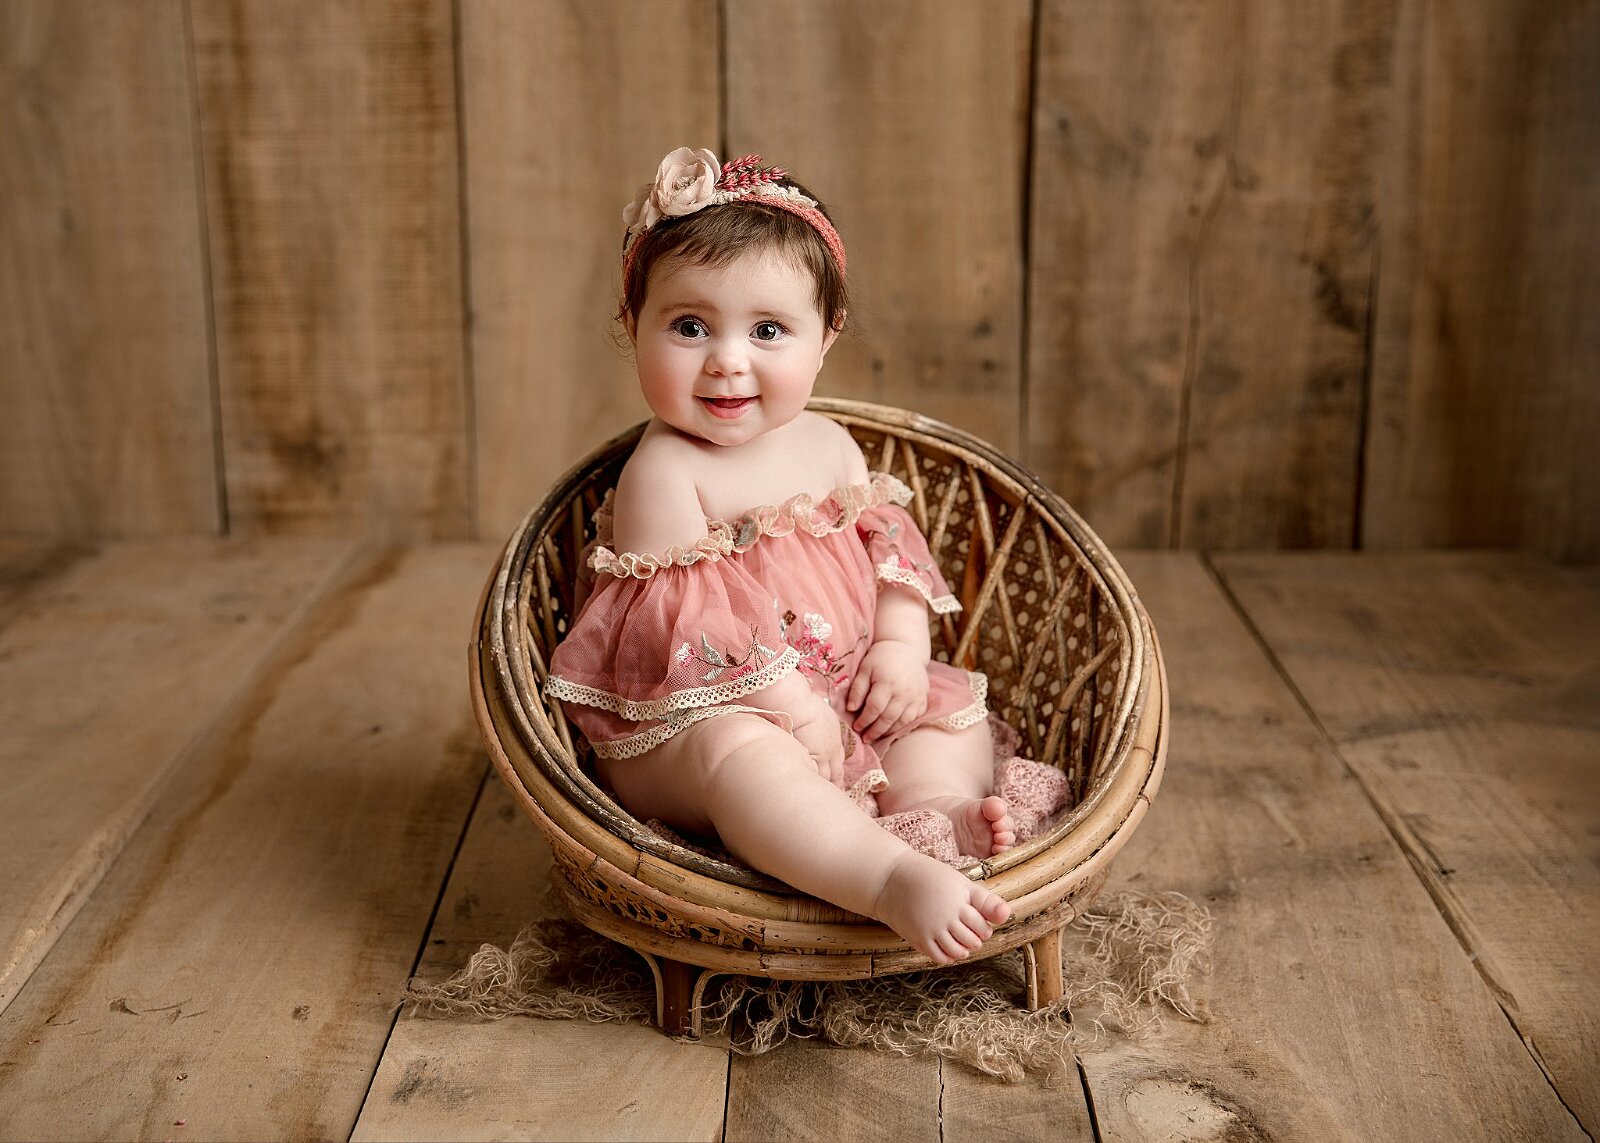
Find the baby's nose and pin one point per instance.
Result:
(726, 357)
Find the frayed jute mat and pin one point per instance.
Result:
(1127, 963)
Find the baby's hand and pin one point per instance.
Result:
(819, 730)
(890, 689)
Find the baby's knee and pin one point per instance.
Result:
(733, 746)
(679, 780)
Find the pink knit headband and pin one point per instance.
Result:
(691, 180)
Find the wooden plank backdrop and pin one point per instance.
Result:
(106, 402)
(545, 194)
(332, 205)
(1228, 275)
(909, 119)
(1203, 223)
(1486, 361)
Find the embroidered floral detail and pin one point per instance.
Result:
(725, 660)
(817, 654)
(838, 510)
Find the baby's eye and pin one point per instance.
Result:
(767, 331)
(688, 327)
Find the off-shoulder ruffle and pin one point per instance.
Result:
(836, 511)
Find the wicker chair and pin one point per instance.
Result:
(1047, 614)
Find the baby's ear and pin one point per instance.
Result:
(830, 335)
(630, 325)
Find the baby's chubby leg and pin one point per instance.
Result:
(760, 791)
(951, 772)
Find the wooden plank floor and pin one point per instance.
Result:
(246, 803)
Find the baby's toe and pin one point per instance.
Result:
(968, 938)
(994, 907)
(997, 812)
(951, 947)
(975, 921)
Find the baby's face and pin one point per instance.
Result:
(728, 353)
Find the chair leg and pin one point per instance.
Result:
(1043, 959)
(677, 1000)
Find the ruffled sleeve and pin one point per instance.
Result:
(900, 554)
(653, 653)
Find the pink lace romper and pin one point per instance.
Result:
(663, 642)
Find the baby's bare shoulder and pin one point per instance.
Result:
(834, 441)
(656, 505)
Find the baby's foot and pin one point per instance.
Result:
(983, 826)
(939, 911)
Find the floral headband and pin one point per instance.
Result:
(691, 180)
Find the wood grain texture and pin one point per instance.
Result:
(1341, 1005)
(115, 666)
(805, 1090)
(104, 368)
(535, 1079)
(568, 108)
(976, 1108)
(1464, 690)
(909, 120)
(26, 565)
(522, 1078)
(240, 965)
(1200, 252)
(331, 164)
(1487, 343)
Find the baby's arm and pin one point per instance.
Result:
(891, 686)
(656, 505)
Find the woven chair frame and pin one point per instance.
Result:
(1047, 615)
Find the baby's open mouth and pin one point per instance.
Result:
(728, 407)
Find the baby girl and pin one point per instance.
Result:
(758, 632)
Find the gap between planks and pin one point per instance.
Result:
(427, 932)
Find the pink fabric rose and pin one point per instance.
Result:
(685, 183)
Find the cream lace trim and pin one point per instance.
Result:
(978, 683)
(890, 573)
(677, 701)
(637, 744)
(838, 510)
